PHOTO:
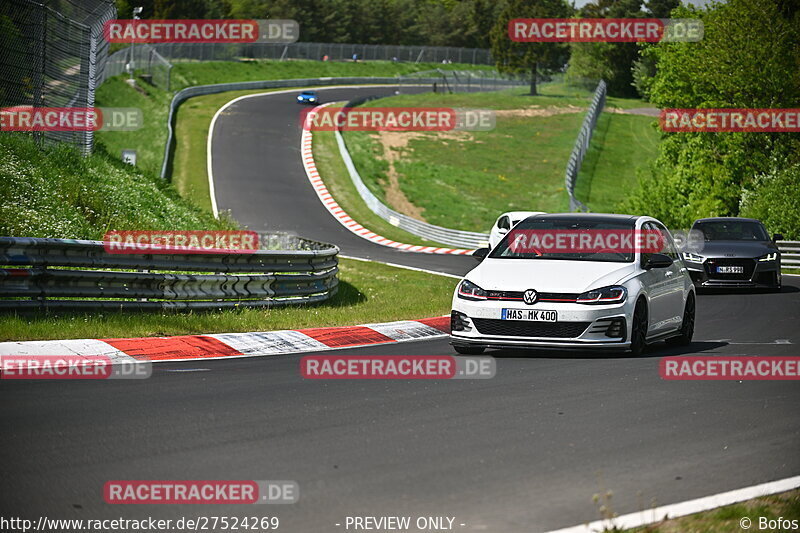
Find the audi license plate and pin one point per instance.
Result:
(533, 315)
(730, 270)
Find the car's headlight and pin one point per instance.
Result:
(469, 291)
(606, 295)
(312, 99)
(693, 258)
(299, 97)
(769, 257)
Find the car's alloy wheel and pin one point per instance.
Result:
(639, 329)
(687, 326)
(469, 350)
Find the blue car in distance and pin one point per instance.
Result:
(307, 97)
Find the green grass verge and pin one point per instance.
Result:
(368, 293)
(622, 147)
(785, 505)
(148, 141)
(56, 192)
(207, 72)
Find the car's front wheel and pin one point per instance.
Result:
(687, 326)
(639, 329)
(469, 350)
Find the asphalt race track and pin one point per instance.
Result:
(259, 176)
(522, 452)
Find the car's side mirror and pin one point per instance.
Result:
(777, 237)
(658, 261)
(480, 254)
(502, 231)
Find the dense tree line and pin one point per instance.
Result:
(464, 23)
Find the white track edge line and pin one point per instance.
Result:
(677, 510)
(417, 269)
(211, 189)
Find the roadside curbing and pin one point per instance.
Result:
(339, 214)
(234, 345)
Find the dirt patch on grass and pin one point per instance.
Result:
(539, 111)
(394, 144)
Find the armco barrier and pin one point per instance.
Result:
(582, 145)
(790, 253)
(264, 278)
(452, 237)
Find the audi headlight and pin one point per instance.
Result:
(469, 291)
(769, 257)
(693, 258)
(606, 295)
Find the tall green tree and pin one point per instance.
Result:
(610, 61)
(533, 58)
(748, 58)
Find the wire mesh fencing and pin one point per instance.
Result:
(143, 60)
(462, 81)
(53, 55)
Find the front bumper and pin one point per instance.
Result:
(757, 274)
(578, 326)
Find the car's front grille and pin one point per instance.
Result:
(522, 328)
(748, 265)
(543, 296)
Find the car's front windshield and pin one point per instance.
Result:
(568, 230)
(732, 230)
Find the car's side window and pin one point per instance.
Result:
(645, 256)
(669, 247)
(503, 223)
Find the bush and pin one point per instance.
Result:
(773, 199)
(55, 192)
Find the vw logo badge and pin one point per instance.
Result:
(530, 297)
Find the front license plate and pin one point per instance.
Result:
(730, 270)
(534, 315)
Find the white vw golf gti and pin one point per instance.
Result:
(553, 293)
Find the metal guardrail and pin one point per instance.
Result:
(451, 237)
(790, 253)
(582, 145)
(55, 269)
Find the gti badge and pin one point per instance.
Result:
(530, 297)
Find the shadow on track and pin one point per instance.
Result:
(659, 349)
